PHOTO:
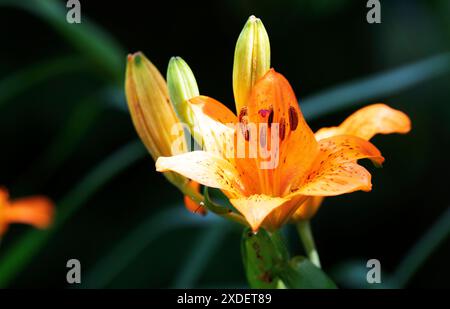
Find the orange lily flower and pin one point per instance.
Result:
(36, 211)
(364, 123)
(268, 195)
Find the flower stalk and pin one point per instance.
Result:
(306, 236)
(200, 199)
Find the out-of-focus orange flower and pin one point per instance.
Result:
(35, 210)
(269, 196)
(364, 123)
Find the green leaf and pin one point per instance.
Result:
(94, 43)
(70, 135)
(300, 273)
(24, 79)
(280, 245)
(202, 251)
(127, 249)
(262, 254)
(375, 87)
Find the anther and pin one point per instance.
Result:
(293, 118)
(282, 128)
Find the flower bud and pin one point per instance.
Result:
(251, 60)
(152, 112)
(182, 87)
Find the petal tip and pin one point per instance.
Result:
(159, 165)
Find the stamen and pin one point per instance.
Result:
(282, 128)
(243, 121)
(242, 113)
(244, 130)
(270, 119)
(264, 112)
(293, 118)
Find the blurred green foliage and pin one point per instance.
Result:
(63, 135)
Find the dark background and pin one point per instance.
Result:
(57, 127)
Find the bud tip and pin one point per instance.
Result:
(136, 57)
(253, 18)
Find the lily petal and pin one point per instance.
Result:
(214, 109)
(206, 168)
(308, 209)
(335, 170)
(273, 102)
(215, 124)
(283, 213)
(369, 121)
(256, 208)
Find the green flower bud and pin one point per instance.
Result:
(251, 60)
(182, 87)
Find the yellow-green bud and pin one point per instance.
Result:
(182, 87)
(251, 60)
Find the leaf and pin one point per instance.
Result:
(20, 81)
(94, 43)
(202, 251)
(127, 249)
(262, 254)
(300, 273)
(374, 87)
(74, 128)
(280, 245)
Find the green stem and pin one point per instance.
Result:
(304, 230)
